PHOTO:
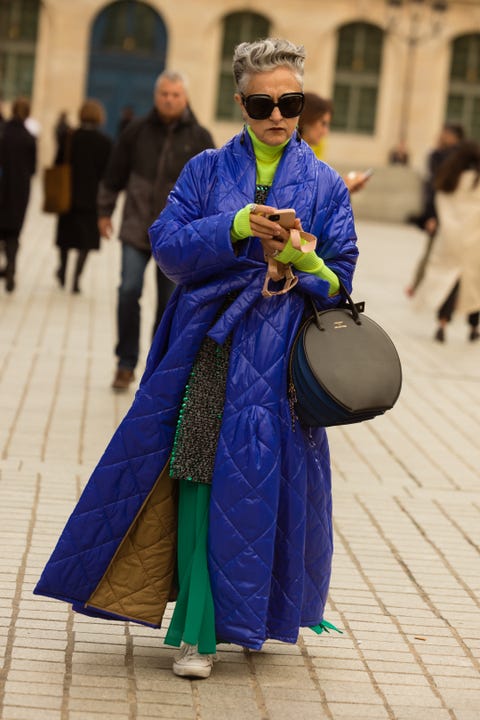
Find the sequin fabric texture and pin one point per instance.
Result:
(200, 416)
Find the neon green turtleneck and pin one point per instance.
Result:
(267, 159)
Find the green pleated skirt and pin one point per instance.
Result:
(193, 619)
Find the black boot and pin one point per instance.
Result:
(62, 268)
(11, 252)
(81, 260)
(440, 335)
(9, 281)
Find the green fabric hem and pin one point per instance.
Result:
(193, 619)
(325, 626)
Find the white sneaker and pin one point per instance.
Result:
(190, 663)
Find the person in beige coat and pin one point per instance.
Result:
(452, 278)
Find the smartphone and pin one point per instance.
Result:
(284, 217)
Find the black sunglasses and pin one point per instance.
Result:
(260, 107)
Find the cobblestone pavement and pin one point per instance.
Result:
(406, 578)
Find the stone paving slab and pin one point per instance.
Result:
(406, 576)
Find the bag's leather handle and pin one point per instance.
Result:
(277, 271)
(67, 154)
(355, 308)
(297, 235)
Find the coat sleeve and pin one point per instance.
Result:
(189, 245)
(117, 171)
(33, 157)
(337, 240)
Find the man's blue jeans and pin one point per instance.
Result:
(134, 262)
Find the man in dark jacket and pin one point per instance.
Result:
(146, 163)
(17, 165)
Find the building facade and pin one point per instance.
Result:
(396, 70)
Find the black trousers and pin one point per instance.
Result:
(79, 265)
(10, 245)
(446, 311)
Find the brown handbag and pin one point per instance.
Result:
(57, 184)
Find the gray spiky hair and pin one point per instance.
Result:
(265, 55)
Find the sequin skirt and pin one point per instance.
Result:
(200, 417)
(201, 411)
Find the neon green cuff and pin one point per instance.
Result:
(310, 263)
(289, 254)
(241, 224)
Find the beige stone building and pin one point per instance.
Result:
(393, 68)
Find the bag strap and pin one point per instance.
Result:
(277, 271)
(310, 240)
(347, 302)
(68, 147)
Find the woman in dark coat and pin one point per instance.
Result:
(88, 150)
(17, 165)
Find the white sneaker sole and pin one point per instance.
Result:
(191, 671)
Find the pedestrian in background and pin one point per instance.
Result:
(126, 116)
(314, 126)
(146, 162)
(450, 136)
(399, 155)
(62, 126)
(452, 275)
(211, 422)
(18, 153)
(314, 122)
(88, 150)
(2, 122)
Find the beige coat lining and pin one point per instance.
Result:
(139, 580)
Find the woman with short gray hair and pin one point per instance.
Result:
(248, 552)
(264, 56)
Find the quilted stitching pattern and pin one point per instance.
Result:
(270, 534)
(138, 581)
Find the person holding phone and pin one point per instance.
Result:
(215, 493)
(314, 126)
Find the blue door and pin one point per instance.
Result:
(128, 47)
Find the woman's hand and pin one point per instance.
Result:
(272, 235)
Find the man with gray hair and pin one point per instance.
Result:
(146, 162)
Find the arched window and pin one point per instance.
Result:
(238, 27)
(128, 26)
(463, 105)
(18, 39)
(357, 72)
(128, 47)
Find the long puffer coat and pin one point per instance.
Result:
(270, 530)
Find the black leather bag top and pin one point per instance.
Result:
(344, 368)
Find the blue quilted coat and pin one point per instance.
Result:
(270, 531)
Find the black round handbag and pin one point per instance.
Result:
(344, 368)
